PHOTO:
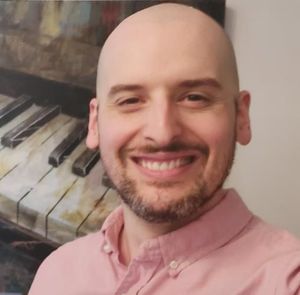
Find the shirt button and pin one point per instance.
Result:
(106, 248)
(173, 264)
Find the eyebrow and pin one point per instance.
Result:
(200, 82)
(123, 87)
(183, 84)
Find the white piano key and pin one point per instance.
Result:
(39, 202)
(10, 158)
(77, 204)
(28, 173)
(95, 220)
(5, 100)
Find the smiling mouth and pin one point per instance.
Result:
(166, 165)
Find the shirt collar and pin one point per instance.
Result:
(210, 231)
(182, 247)
(111, 229)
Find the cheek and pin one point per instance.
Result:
(222, 135)
(215, 129)
(218, 133)
(114, 133)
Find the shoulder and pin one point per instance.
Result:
(275, 256)
(90, 243)
(76, 250)
(80, 250)
(66, 264)
(270, 238)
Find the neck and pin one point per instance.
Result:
(136, 230)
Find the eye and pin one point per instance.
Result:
(129, 101)
(194, 100)
(129, 104)
(196, 97)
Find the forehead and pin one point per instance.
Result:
(158, 51)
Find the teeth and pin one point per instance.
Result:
(167, 165)
(155, 166)
(164, 166)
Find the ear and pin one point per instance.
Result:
(92, 140)
(243, 128)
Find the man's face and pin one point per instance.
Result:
(166, 122)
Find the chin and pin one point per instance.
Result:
(161, 205)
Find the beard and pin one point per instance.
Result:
(185, 205)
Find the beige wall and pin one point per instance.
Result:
(266, 35)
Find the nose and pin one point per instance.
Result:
(162, 123)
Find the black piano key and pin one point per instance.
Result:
(85, 162)
(14, 108)
(22, 131)
(66, 147)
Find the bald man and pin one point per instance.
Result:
(167, 117)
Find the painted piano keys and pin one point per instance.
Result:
(14, 108)
(67, 146)
(23, 130)
(59, 202)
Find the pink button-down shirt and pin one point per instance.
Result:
(228, 251)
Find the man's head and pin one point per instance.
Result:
(168, 111)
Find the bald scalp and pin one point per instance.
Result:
(164, 18)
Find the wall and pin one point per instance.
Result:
(266, 37)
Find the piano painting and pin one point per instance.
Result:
(50, 183)
(52, 188)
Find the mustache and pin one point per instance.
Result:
(176, 146)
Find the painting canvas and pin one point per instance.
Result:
(52, 188)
